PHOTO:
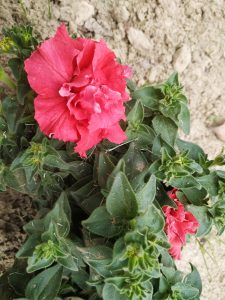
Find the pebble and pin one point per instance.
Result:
(83, 11)
(139, 40)
(182, 58)
(220, 132)
(121, 14)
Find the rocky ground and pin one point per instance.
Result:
(156, 37)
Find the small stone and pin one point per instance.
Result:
(220, 132)
(152, 75)
(121, 14)
(139, 40)
(182, 58)
(93, 26)
(56, 12)
(83, 11)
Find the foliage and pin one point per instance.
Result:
(100, 232)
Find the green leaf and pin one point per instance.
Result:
(98, 252)
(195, 196)
(184, 182)
(34, 263)
(35, 226)
(27, 248)
(136, 115)
(166, 128)
(194, 151)
(163, 285)
(173, 79)
(153, 218)
(121, 201)
(166, 259)
(78, 169)
(6, 79)
(81, 278)
(18, 281)
(147, 194)
(45, 285)
(111, 293)
(184, 118)
(10, 109)
(186, 291)
(101, 266)
(194, 279)
(158, 144)
(162, 197)
(54, 161)
(68, 262)
(119, 167)
(11, 180)
(107, 227)
(172, 275)
(154, 169)
(210, 183)
(221, 174)
(202, 215)
(149, 96)
(22, 90)
(103, 168)
(135, 161)
(60, 215)
(131, 85)
(118, 250)
(143, 135)
(15, 65)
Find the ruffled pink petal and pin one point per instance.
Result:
(51, 64)
(87, 140)
(175, 250)
(106, 70)
(85, 57)
(108, 108)
(54, 118)
(82, 104)
(115, 134)
(179, 223)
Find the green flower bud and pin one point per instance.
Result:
(6, 45)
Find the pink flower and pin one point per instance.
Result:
(81, 90)
(178, 223)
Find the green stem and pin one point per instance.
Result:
(6, 79)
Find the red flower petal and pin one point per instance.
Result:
(54, 118)
(51, 64)
(179, 223)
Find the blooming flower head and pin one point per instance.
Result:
(81, 90)
(179, 223)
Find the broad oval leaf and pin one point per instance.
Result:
(166, 128)
(147, 194)
(203, 217)
(121, 201)
(102, 223)
(45, 285)
(110, 292)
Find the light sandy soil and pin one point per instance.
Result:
(156, 37)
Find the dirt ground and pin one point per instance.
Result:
(156, 37)
(15, 211)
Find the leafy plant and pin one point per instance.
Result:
(100, 230)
